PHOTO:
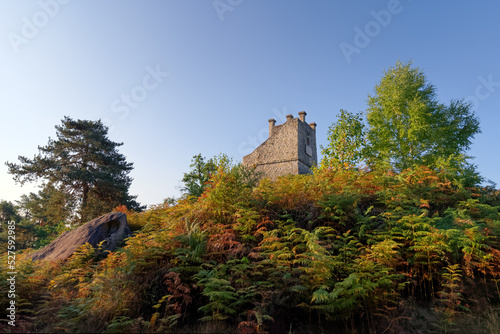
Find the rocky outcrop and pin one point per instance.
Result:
(111, 228)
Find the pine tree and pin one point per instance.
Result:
(84, 164)
(8, 212)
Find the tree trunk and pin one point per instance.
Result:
(85, 191)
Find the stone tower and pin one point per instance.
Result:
(290, 148)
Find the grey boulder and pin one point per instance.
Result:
(111, 228)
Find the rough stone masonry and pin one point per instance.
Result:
(290, 148)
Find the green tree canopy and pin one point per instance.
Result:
(49, 207)
(346, 142)
(8, 212)
(408, 126)
(195, 181)
(84, 164)
(202, 173)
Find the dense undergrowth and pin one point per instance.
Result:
(343, 250)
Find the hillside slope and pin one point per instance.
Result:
(346, 250)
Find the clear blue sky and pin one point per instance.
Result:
(222, 68)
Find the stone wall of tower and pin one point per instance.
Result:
(290, 149)
(307, 145)
(278, 155)
(274, 170)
